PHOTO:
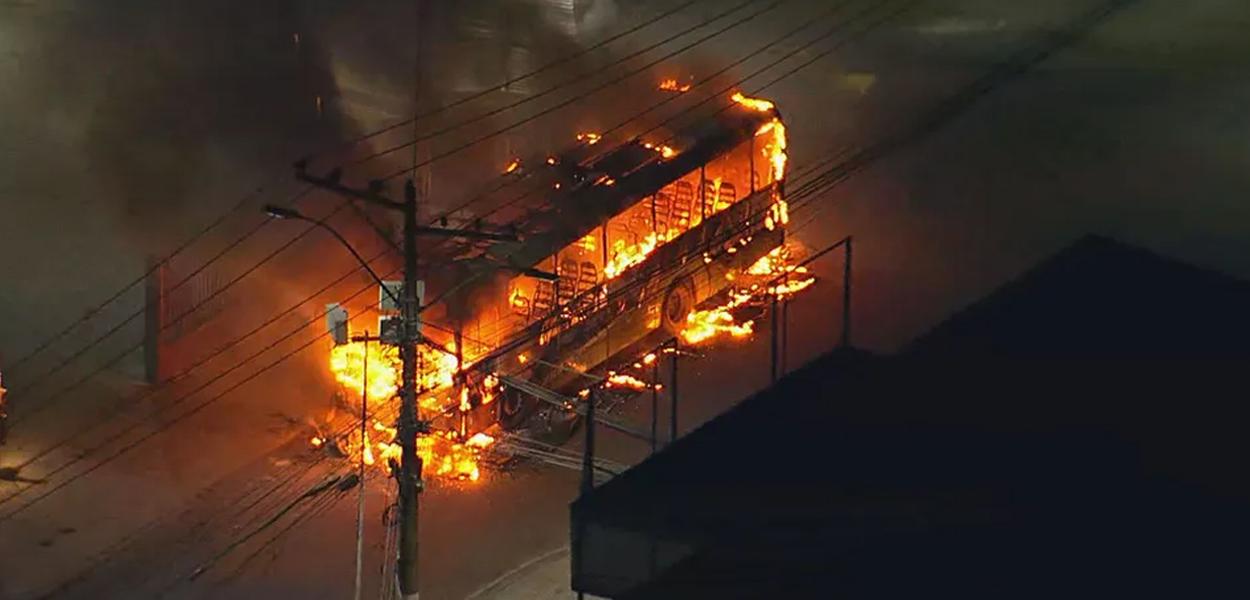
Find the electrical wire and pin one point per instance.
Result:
(181, 417)
(508, 82)
(605, 85)
(576, 79)
(62, 393)
(247, 198)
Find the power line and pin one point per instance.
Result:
(251, 232)
(218, 352)
(118, 435)
(91, 313)
(350, 143)
(837, 27)
(533, 97)
(179, 418)
(943, 114)
(195, 410)
(635, 116)
(166, 426)
(47, 402)
(121, 355)
(582, 96)
(262, 224)
(506, 83)
(65, 362)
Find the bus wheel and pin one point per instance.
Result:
(515, 409)
(678, 304)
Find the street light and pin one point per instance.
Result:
(408, 473)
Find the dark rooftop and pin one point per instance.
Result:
(1079, 429)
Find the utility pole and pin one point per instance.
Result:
(364, 443)
(410, 462)
(408, 473)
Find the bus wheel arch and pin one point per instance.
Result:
(515, 409)
(679, 302)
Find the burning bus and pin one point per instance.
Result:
(639, 236)
(626, 247)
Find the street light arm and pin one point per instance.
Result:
(359, 259)
(281, 212)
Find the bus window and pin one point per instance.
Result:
(544, 298)
(587, 279)
(567, 287)
(663, 211)
(683, 205)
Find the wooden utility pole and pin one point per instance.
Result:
(364, 444)
(408, 473)
(410, 462)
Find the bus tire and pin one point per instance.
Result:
(515, 409)
(678, 304)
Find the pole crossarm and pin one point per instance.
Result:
(373, 196)
(332, 183)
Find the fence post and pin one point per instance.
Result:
(776, 335)
(672, 390)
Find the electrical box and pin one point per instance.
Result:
(337, 323)
(390, 329)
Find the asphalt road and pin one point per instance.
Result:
(1136, 130)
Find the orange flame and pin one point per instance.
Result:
(589, 138)
(625, 255)
(347, 363)
(626, 381)
(753, 103)
(516, 299)
(671, 85)
(704, 325)
(665, 151)
(445, 455)
(775, 150)
(512, 166)
(439, 368)
(707, 324)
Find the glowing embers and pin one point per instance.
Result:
(672, 85)
(665, 152)
(621, 380)
(778, 214)
(784, 278)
